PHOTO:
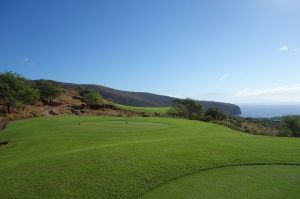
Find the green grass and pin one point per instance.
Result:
(259, 182)
(105, 157)
(150, 110)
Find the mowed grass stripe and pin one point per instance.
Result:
(58, 158)
(149, 110)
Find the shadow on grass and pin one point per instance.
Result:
(3, 143)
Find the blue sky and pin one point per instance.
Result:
(235, 51)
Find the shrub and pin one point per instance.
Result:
(292, 123)
(214, 114)
(285, 132)
(48, 91)
(16, 91)
(187, 108)
(91, 98)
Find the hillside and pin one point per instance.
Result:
(143, 99)
(68, 103)
(114, 102)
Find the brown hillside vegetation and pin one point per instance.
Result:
(68, 103)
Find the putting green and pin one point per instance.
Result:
(235, 182)
(118, 157)
(118, 126)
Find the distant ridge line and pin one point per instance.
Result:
(145, 99)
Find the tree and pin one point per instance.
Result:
(214, 114)
(187, 108)
(16, 91)
(48, 90)
(90, 97)
(293, 123)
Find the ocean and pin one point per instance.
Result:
(269, 110)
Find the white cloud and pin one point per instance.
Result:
(276, 94)
(26, 60)
(223, 77)
(283, 48)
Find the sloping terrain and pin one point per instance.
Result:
(68, 103)
(143, 99)
(121, 157)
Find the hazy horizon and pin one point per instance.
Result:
(241, 52)
(260, 111)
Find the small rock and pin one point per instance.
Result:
(76, 112)
(52, 112)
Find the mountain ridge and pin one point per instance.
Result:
(146, 99)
